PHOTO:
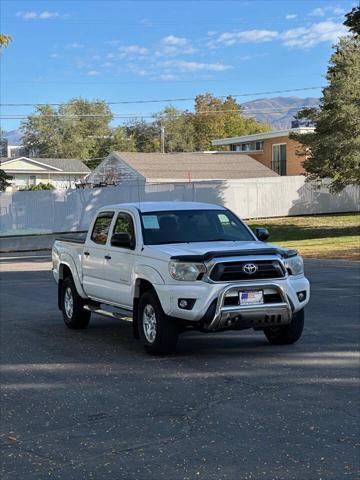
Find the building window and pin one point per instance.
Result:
(245, 147)
(278, 163)
(32, 180)
(259, 145)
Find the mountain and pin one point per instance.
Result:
(278, 111)
(13, 136)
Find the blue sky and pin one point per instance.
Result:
(142, 50)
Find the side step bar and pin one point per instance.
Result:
(105, 313)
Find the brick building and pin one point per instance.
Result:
(275, 150)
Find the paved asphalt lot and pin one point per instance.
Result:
(91, 405)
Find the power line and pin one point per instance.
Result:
(188, 99)
(135, 116)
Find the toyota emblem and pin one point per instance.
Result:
(250, 268)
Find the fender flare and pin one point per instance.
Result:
(67, 260)
(145, 272)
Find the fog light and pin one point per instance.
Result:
(186, 303)
(301, 296)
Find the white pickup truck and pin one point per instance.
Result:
(174, 266)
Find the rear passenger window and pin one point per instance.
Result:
(101, 227)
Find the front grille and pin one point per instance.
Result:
(233, 271)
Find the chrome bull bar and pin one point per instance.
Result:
(265, 313)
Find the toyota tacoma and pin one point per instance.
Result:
(169, 267)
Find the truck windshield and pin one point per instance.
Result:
(184, 226)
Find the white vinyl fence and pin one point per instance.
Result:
(24, 213)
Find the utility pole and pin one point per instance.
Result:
(162, 139)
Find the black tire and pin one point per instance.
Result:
(287, 334)
(161, 340)
(75, 317)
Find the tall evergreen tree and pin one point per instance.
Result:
(333, 150)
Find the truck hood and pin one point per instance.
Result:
(205, 250)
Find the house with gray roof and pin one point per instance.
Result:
(60, 172)
(120, 167)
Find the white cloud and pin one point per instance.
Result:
(168, 77)
(45, 15)
(172, 51)
(146, 22)
(172, 40)
(133, 51)
(196, 66)
(107, 64)
(250, 36)
(338, 11)
(322, 11)
(75, 45)
(31, 15)
(307, 37)
(291, 16)
(138, 70)
(55, 55)
(317, 12)
(93, 73)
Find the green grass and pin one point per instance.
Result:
(320, 236)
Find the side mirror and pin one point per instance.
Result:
(262, 234)
(122, 240)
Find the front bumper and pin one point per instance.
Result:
(213, 312)
(250, 315)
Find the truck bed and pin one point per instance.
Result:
(76, 238)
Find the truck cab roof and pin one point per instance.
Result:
(144, 207)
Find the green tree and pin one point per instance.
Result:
(5, 40)
(216, 118)
(41, 186)
(353, 21)
(178, 128)
(333, 150)
(85, 128)
(4, 180)
(122, 142)
(146, 135)
(77, 129)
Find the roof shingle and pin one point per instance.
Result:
(204, 166)
(68, 165)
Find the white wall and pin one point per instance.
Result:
(72, 210)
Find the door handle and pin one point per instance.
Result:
(86, 253)
(107, 257)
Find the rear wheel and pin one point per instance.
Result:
(158, 332)
(287, 334)
(73, 306)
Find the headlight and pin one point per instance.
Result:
(294, 265)
(184, 271)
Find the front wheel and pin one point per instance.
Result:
(73, 306)
(158, 332)
(287, 334)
